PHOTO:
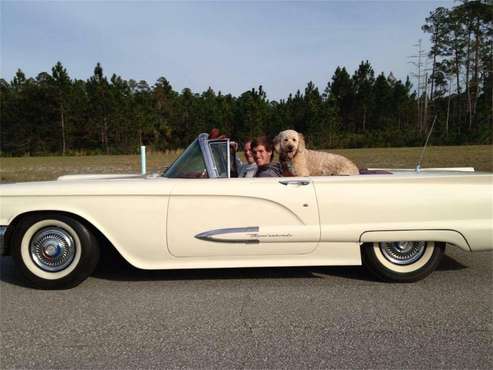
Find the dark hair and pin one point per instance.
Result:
(266, 143)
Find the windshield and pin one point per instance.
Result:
(189, 165)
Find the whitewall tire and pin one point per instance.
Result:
(54, 251)
(403, 262)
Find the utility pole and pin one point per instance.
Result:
(425, 104)
(417, 61)
(448, 106)
(491, 78)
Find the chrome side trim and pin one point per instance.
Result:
(211, 235)
(294, 182)
(3, 247)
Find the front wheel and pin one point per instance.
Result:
(404, 261)
(54, 251)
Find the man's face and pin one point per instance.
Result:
(261, 155)
(247, 149)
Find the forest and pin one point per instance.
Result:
(452, 85)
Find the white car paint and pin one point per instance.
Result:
(153, 221)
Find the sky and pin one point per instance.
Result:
(231, 46)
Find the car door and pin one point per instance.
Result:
(242, 217)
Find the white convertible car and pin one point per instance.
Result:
(197, 215)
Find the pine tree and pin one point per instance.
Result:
(61, 85)
(341, 92)
(363, 81)
(99, 106)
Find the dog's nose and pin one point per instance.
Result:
(290, 147)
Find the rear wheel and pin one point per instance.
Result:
(404, 261)
(54, 251)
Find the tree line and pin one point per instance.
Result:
(54, 113)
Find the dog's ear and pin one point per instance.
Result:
(301, 142)
(277, 143)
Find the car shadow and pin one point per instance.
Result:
(129, 273)
(114, 267)
(8, 273)
(117, 269)
(449, 264)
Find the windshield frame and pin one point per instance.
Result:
(210, 166)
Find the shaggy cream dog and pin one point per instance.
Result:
(296, 160)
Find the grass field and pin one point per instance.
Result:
(49, 168)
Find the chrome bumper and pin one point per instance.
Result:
(3, 247)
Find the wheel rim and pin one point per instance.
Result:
(52, 249)
(404, 252)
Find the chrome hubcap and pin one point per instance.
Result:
(403, 253)
(52, 249)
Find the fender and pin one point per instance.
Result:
(447, 236)
(122, 227)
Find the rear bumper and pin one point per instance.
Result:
(3, 247)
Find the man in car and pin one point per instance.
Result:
(263, 153)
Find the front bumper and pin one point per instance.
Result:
(3, 247)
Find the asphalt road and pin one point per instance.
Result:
(253, 318)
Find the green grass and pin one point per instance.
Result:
(478, 156)
(49, 168)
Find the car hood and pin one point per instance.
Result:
(99, 176)
(97, 185)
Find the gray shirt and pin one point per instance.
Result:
(270, 170)
(247, 170)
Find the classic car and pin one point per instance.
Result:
(197, 214)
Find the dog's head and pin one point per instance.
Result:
(289, 143)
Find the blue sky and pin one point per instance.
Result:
(230, 46)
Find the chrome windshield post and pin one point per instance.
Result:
(228, 157)
(206, 153)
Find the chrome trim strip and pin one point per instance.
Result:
(294, 182)
(3, 247)
(209, 235)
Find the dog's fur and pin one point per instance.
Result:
(296, 160)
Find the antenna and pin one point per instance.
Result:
(418, 165)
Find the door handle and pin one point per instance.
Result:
(294, 182)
